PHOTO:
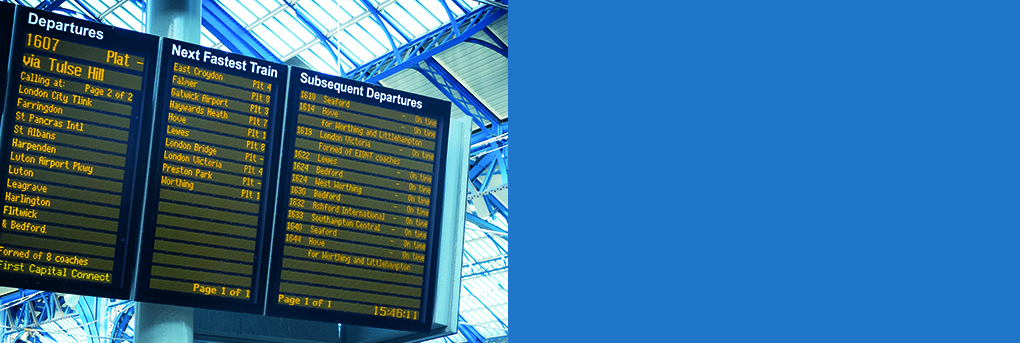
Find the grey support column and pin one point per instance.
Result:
(177, 19)
(156, 323)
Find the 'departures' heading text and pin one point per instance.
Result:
(49, 24)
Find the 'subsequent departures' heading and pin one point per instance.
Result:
(378, 94)
(73, 122)
(361, 186)
(211, 179)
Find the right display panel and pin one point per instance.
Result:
(359, 204)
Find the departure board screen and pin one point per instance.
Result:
(358, 204)
(211, 179)
(77, 93)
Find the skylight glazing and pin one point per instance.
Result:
(347, 23)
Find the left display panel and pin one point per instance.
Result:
(77, 113)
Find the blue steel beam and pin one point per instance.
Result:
(484, 272)
(16, 295)
(481, 136)
(459, 94)
(463, 6)
(5, 322)
(453, 18)
(49, 6)
(460, 97)
(502, 46)
(48, 307)
(485, 267)
(88, 13)
(469, 331)
(499, 246)
(426, 46)
(92, 312)
(485, 149)
(37, 307)
(489, 169)
(311, 27)
(379, 19)
(121, 324)
(232, 34)
(484, 224)
(496, 141)
(500, 339)
(488, 162)
(493, 203)
(480, 166)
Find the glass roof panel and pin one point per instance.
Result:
(430, 13)
(271, 40)
(287, 33)
(371, 36)
(354, 49)
(371, 46)
(321, 13)
(254, 9)
(244, 14)
(403, 18)
(83, 9)
(341, 17)
(303, 33)
(209, 40)
(398, 32)
(118, 22)
(135, 12)
(250, 13)
(354, 8)
(32, 3)
(319, 59)
(454, 8)
(344, 62)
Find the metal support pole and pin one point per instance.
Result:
(156, 323)
(180, 20)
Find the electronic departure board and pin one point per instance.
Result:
(78, 95)
(211, 179)
(359, 204)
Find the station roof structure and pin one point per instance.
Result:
(456, 50)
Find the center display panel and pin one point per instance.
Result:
(211, 185)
